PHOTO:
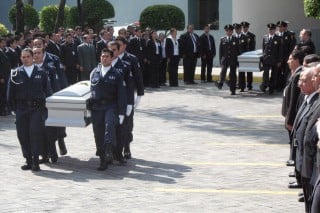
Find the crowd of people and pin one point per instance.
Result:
(35, 65)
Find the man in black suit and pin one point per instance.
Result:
(291, 96)
(305, 40)
(137, 47)
(207, 53)
(251, 46)
(228, 55)
(53, 46)
(103, 43)
(69, 59)
(4, 76)
(11, 53)
(190, 48)
(272, 55)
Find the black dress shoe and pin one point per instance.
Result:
(127, 152)
(301, 198)
(119, 157)
(249, 88)
(45, 159)
(294, 185)
(26, 166)
(54, 159)
(233, 93)
(193, 82)
(35, 167)
(241, 90)
(103, 164)
(290, 163)
(262, 88)
(291, 174)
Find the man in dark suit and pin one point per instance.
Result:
(207, 53)
(288, 41)
(103, 43)
(53, 46)
(300, 124)
(137, 47)
(190, 52)
(272, 55)
(69, 59)
(315, 197)
(305, 40)
(86, 57)
(11, 53)
(251, 46)
(291, 95)
(228, 55)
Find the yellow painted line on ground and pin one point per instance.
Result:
(267, 164)
(259, 116)
(250, 129)
(244, 144)
(226, 191)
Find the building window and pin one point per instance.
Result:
(203, 12)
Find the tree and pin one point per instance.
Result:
(20, 18)
(31, 16)
(94, 11)
(30, 2)
(48, 16)
(80, 13)
(162, 17)
(312, 8)
(60, 15)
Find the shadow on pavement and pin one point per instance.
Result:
(68, 168)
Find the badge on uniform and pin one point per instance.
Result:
(286, 38)
(37, 77)
(111, 77)
(242, 41)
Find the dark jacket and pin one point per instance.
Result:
(229, 51)
(272, 50)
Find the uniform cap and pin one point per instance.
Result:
(245, 24)
(236, 25)
(228, 27)
(271, 26)
(282, 23)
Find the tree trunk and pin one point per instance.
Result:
(30, 2)
(60, 15)
(80, 13)
(19, 17)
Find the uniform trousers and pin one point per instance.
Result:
(269, 82)
(173, 70)
(315, 199)
(124, 132)
(30, 130)
(189, 67)
(242, 80)
(104, 122)
(232, 75)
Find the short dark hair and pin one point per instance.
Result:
(114, 43)
(122, 39)
(311, 58)
(106, 50)
(298, 54)
(28, 50)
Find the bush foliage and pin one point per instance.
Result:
(312, 8)
(48, 16)
(31, 16)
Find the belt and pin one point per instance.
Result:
(103, 101)
(31, 103)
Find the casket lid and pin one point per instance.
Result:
(79, 89)
(251, 54)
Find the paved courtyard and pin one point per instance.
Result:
(195, 149)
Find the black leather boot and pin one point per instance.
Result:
(103, 164)
(35, 164)
(27, 165)
(109, 153)
(127, 152)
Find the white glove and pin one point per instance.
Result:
(121, 118)
(129, 110)
(137, 101)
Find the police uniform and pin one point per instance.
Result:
(108, 100)
(272, 55)
(136, 74)
(27, 97)
(288, 42)
(228, 55)
(250, 41)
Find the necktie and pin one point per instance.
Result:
(209, 42)
(194, 42)
(303, 110)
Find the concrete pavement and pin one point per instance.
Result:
(195, 149)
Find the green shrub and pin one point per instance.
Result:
(48, 15)
(95, 11)
(312, 8)
(3, 30)
(31, 16)
(162, 17)
(72, 18)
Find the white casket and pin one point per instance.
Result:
(68, 106)
(250, 61)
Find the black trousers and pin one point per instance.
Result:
(30, 130)
(232, 75)
(315, 199)
(163, 71)
(269, 82)
(206, 67)
(242, 80)
(173, 70)
(154, 73)
(307, 192)
(189, 67)
(124, 132)
(72, 75)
